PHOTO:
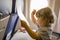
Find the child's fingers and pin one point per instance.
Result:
(34, 11)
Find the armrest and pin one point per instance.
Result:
(57, 35)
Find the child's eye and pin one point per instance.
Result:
(37, 15)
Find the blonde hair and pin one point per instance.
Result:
(45, 13)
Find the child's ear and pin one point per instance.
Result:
(52, 19)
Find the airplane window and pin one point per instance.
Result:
(38, 4)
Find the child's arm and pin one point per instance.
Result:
(29, 30)
(32, 16)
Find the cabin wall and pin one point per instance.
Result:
(5, 6)
(55, 5)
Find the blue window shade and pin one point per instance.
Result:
(11, 25)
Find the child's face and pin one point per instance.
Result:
(41, 22)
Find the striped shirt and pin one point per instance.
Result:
(44, 34)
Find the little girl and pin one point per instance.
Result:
(44, 20)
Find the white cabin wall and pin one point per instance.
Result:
(5, 5)
(55, 5)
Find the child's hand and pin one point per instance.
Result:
(33, 12)
(22, 29)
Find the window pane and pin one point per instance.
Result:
(38, 4)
